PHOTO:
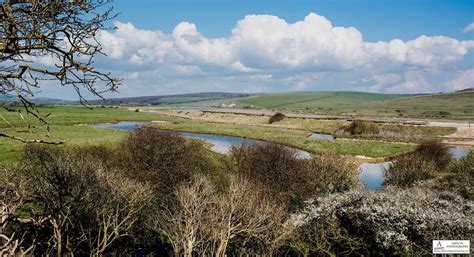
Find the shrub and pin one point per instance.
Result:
(13, 196)
(276, 117)
(436, 152)
(163, 158)
(277, 172)
(39, 154)
(460, 180)
(409, 170)
(333, 174)
(83, 205)
(391, 222)
(359, 127)
(208, 222)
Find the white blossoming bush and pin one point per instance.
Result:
(389, 222)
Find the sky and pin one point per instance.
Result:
(387, 46)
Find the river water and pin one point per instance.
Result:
(220, 144)
(371, 175)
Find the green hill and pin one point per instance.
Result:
(314, 100)
(180, 99)
(458, 105)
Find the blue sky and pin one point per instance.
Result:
(388, 46)
(376, 19)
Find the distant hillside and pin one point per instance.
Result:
(314, 100)
(169, 99)
(458, 105)
(40, 100)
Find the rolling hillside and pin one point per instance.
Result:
(458, 105)
(314, 100)
(170, 99)
(11, 99)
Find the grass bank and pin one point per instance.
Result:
(389, 132)
(294, 138)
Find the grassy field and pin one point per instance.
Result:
(70, 135)
(63, 123)
(67, 124)
(457, 106)
(438, 106)
(294, 138)
(314, 101)
(74, 115)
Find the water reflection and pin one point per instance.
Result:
(371, 175)
(321, 136)
(458, 152)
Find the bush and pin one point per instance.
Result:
(276, 171)
(333, 174)
(276, 117)
(460, 180)
(80, 205)
(359, 127)
(163, 158)
(205, 221)
(392, 222)
(41, 154)
(409, 170)
(436, 152)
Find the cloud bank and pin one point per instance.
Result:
(266, 53)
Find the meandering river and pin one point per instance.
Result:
(371, 175)
(220, 144)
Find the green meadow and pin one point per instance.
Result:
(68, 124)
(453, 106)
(313, 100)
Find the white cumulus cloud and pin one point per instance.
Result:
(270, 47)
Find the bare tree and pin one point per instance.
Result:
(117, 208)
(206, 221)
(12, 198)
(51, 41)
(182, 224)
(243, 212)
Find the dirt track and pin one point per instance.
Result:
(463, 136)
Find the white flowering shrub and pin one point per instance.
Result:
(389, 222)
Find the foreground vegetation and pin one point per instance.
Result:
(159, 194)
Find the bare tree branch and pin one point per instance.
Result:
(56, 41)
